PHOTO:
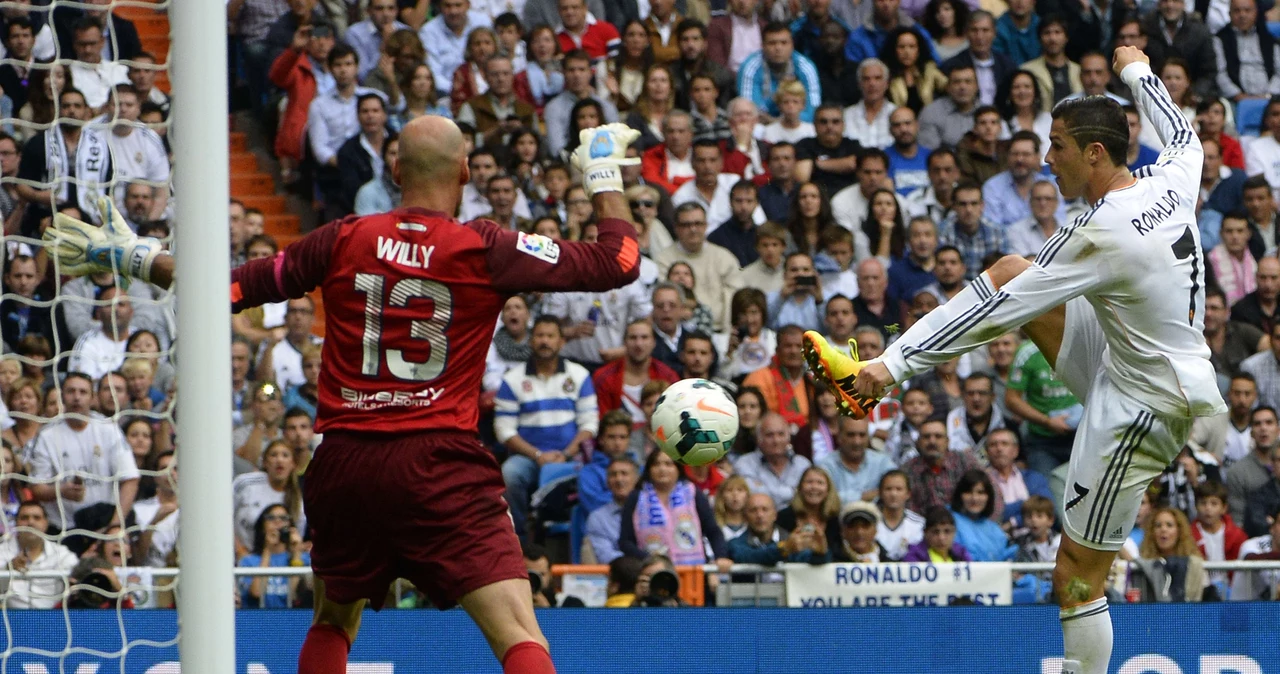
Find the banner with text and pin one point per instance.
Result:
(898, 584)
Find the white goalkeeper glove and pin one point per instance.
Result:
(82, 248)
(601, 154)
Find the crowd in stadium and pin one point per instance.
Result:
(805, 165)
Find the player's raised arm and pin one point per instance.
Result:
(1182, 158)
(526, 262)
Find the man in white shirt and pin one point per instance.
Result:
(281, 361)
(867, 121)
(445, 38)
(137, 153)
(710, 188)
(484, 166)
(367, 37)
(715, 270)
(101, 350)
(27, 551)
(81, 459)
(93, 76)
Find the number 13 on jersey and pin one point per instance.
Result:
(430, 330)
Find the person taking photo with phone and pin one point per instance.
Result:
(800, 302)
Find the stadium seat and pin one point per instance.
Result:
(577, 533)
(1249, 115)
(553, 472)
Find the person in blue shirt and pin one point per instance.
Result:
(972, 503)
(612, 441)
(1139, 155)
(777, 62)
(1018, 32)
(914, 270)
(276, 542)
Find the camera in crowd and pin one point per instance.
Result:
(664, 590)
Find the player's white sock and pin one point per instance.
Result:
(1086, 633)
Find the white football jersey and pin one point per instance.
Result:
(1135, 256)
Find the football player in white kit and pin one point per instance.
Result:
(1115, 302)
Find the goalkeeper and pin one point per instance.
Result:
(402, 485)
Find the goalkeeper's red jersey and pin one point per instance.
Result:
(411, 301)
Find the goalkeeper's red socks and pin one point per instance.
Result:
(527, 657)
(325, 651)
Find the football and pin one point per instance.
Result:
(695, 422)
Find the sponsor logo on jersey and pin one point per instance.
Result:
(538, 246)
(361, 400)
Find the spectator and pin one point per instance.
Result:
(934, 474)
(669, 300)
(1176, 33)
(1261, 502)
(47, 160)
(715, 269)
(112, 395)
(21, 313)
(744, 120)
(671, 164)
(852, 204)
(276, 542)
(971, 425)
(710, 121)
(655, 99)
(945, 121)
(915, 75)
(445, 38)
(944, 21)
(1027, 236)
(1227, 437)
(1252, 473)
(840, 322)
(807, 29)
(991, 67)
(1034, 393)
(28, 551)
(381, 194)
(141, 394)
(868, 39)
(577, 86)
(580, 29)
(101, 350)
(604, 524)
(970, 231)
(856, 469)
(1223, 184)
(814, 508)
(15, 74)
(501, 195)
(800, 300)
(873, 306)
(367, 37)
(777, 61)
(542, 415)
(1211, 119)
(867, 121)
(510, 347)
(1016, 32)
(908, 161)
(299, 434)
(281, 361)
(737, 234)
(306, 396)
(1234, 269)
(1057, 77)
(694, 60)
(619, 382)
(698, 361)
(668, 516)
(981, 154)
(731, 506)
(766, 273)
(23, 406)
(662, 26)
(360, 157)
(764, 542)
(611, 442)
(262, 427)
(917, 407)
(914, 270)
(1254, 585)
(859, 521)
(948, 274)
(94, 76)
(469, 78)
(1264, 223)
(788, 127)
(711, 189)
(1014, 485)
(973, 505)
(935, 199)
(1217, 537)
(1246, 56)
(1170, 568)
(497, 112)
(159, 537)
(773, 468)
(1258, 308)
(624, 572)
(81, 442)
(1265, 368)
(735, 35)
(828, 158)
(939, 543)
(1139, 153)
(1007, 195)
(276, 483)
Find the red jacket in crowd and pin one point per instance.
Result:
(608, 382)
(292, 73)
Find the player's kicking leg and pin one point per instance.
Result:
(504, 613)
(333, 629)
(838, 372)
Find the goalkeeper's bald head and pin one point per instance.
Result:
(432, 155)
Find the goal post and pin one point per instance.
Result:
(206, 604)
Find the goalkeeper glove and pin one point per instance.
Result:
(82, 248)
(601, 154)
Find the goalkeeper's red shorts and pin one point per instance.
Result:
(426, 507)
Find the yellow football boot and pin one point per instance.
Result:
(837, 372)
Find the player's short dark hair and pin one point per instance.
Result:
(1096, 119)
(339, 51)
(775, 27)
(873, 153)
(1262, 408)
(691, 24)
(1255, 182)
(548, 319)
